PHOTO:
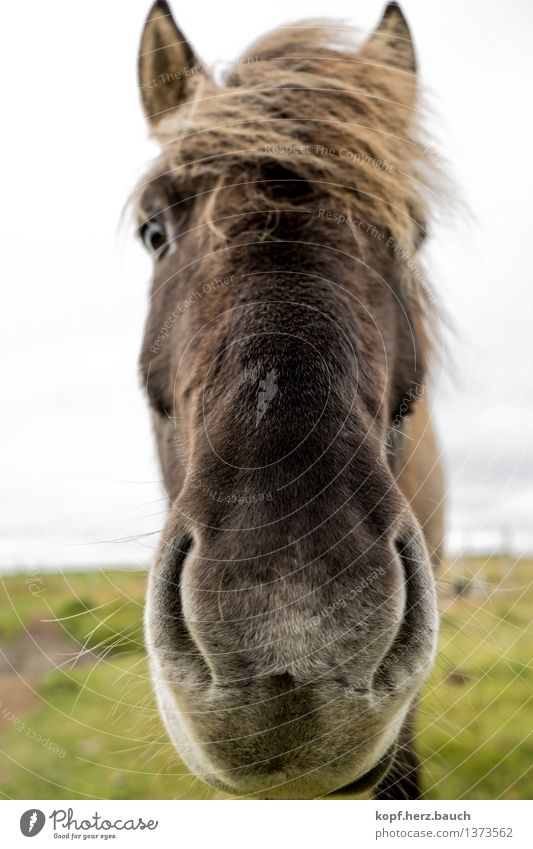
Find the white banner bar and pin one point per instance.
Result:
(266, 825)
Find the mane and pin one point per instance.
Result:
(303, 97)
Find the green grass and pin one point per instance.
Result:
(475, 734)
(92, 729)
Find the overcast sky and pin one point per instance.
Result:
(79, 479)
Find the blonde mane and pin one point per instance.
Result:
(303, 97)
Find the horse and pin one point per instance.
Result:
(291, 615)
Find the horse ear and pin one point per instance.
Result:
(391, 41)
(165, 63)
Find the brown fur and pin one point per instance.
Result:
(291, 611)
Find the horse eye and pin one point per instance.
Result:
(154, 235)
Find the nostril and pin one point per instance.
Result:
(415, 637)
(420, 618)
(173, 625)
(184, 548)
(400, 545)
(174, 551)
(413, 559)
(166, 583)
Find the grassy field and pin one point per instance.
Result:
(78, 719)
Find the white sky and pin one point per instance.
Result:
(78, 462)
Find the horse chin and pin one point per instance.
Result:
(284, 786)
(335, 778)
